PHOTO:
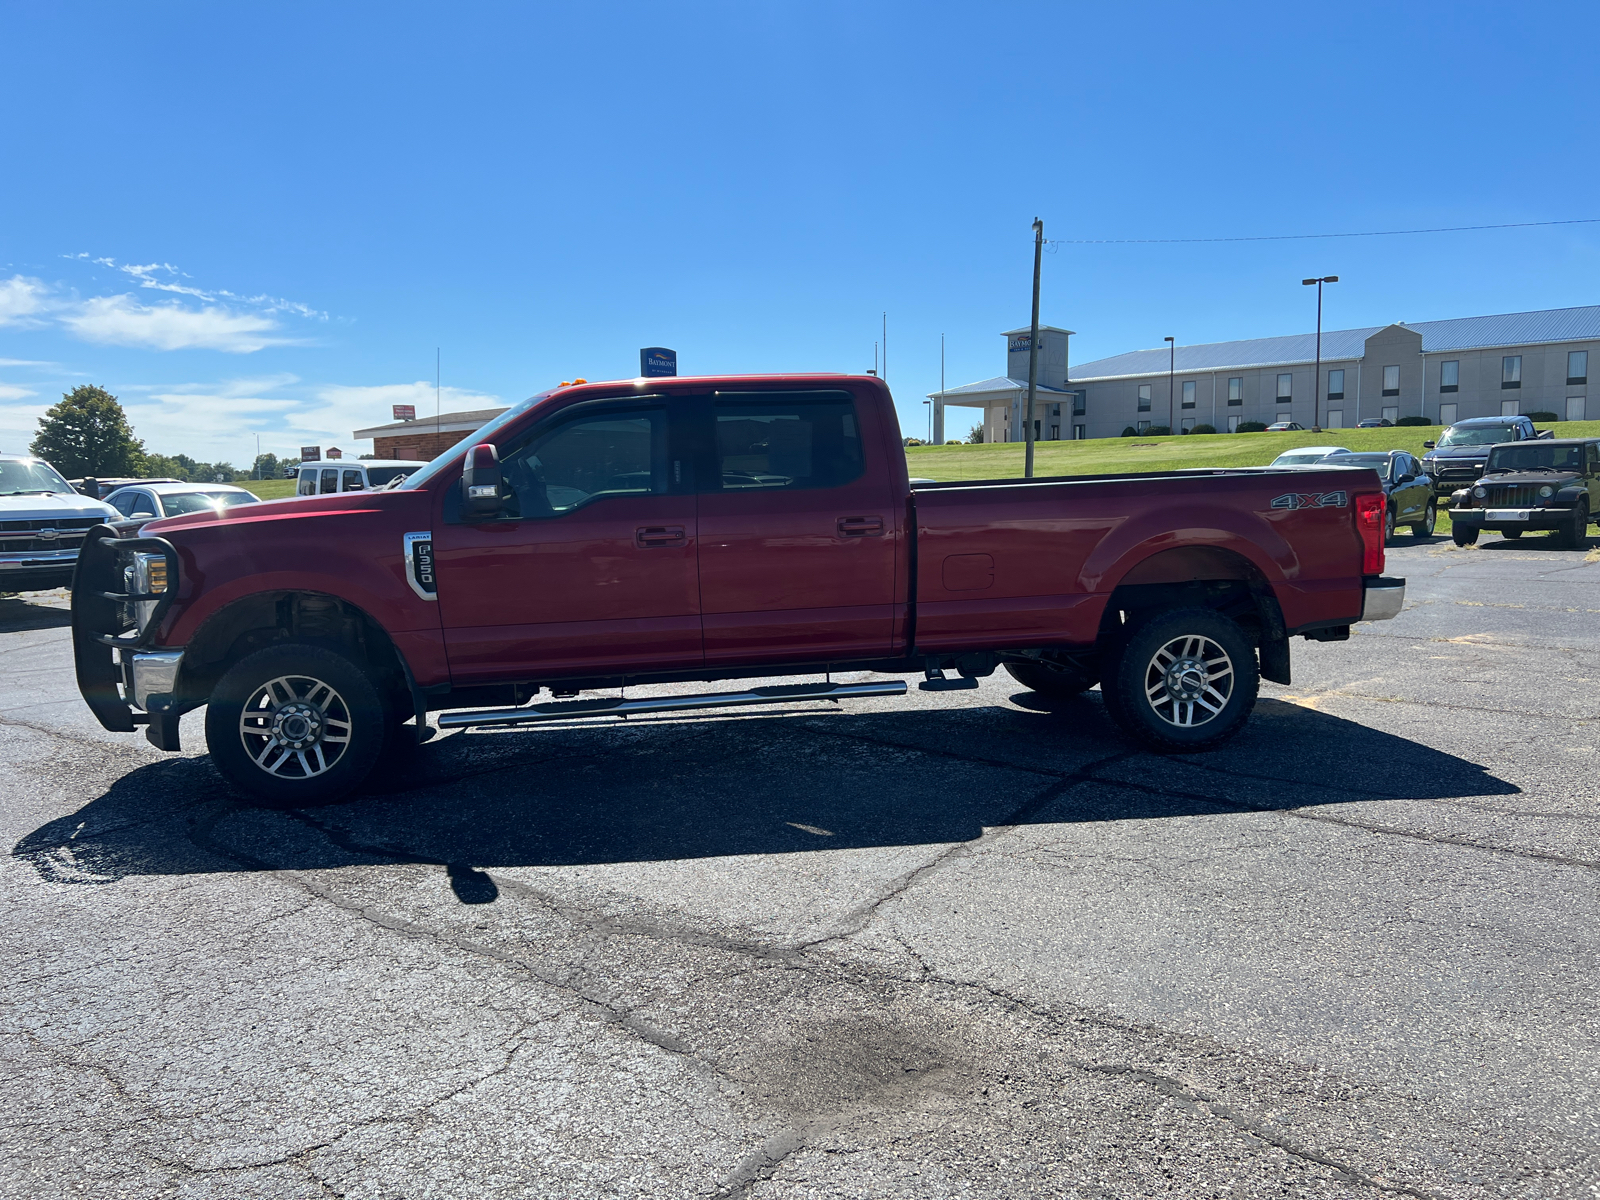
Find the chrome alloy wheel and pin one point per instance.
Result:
(295, 727)
(1189, 680)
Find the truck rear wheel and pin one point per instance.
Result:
(1185, 681)
(1050, 678)
(295, 725)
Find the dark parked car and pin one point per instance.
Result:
(1458, 459)
(1286, 427)
(1374, 423)
(1408, 487)
(1545, 484)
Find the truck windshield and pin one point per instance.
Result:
(383, 476)
(1477, 435)
(1534, 456)
(485, 434)
(31, 477)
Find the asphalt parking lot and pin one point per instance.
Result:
(964, 944)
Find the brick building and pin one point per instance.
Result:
(426, 437)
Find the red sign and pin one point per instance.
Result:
(405, 412)
(310, 453)
(335, 452)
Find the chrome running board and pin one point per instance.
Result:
(615, 706)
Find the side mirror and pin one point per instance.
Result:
(1429, 446)
(143, 516)
(481, 483)
(1405, 479)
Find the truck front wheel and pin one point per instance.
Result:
(1185, 681)
(295, 725)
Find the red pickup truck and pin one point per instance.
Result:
(610, 534)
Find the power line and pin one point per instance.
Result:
(1296, 237)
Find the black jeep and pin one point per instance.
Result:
(1543, 484)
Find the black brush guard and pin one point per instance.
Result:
(98, 631)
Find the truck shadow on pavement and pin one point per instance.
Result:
(694, 789)
(18, 614)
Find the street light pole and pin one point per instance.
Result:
(1172, 374)
(1033, 351)
(1316, 375)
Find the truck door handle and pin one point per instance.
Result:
(860, 526)
(659, 535)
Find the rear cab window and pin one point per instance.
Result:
(786, 441)
(353, 482)
(308, 483)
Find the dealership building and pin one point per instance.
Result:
(1444, 371)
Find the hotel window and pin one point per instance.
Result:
(1510, 408)
(1391, 381)
(1188, 424)
(1080, 433)
(1336, 386)
(1143, 426)
(1575, 410)
(1080, 403)
(1144, 397)
(1390, 415)
(1447, 414)
(1235, 392)
(1511, 371)
(1188, 393)
(1285, 387)
(1334, 419)
(1577, 366)
(1233, 422)
(1450, 376)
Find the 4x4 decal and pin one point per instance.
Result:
(1295, 500)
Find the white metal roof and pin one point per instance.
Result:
(1459, 333)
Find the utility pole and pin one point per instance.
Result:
(1172, 374)
(939, 422)
(1033, 351)
(886, 347)
(1316, 377)
(438, 420)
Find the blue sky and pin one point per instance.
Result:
(262, 219)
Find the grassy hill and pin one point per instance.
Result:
(269, 489)
(1003, 460)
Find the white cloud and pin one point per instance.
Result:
(10, 391)
(347, 408)
(22, 300)
(19, 424)
(122, 321)
(212, 422)
(25, 362)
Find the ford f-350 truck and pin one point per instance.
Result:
(611, 534)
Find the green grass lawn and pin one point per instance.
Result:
(1003, 460)
(268, 489)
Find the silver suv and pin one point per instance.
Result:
(43, 520)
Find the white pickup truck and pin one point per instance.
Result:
(43, 521)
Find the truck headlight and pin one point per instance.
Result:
(1480, 493)
(147, 576)
(1546, 492)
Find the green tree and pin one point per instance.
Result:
(88, 434)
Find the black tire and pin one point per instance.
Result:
(1060, 680)
(1575, 533)
(1464, 536)
(1430, 521)
(275, 719)
(1147, 700)
(1388, 525)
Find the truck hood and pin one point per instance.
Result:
(57, 505)
(274, 513)
(1556, 479)
(1460, 452)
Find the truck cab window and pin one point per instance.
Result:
(353, 482)
(307, 485)
(586, 459)
(330, 480)
(788, 441)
